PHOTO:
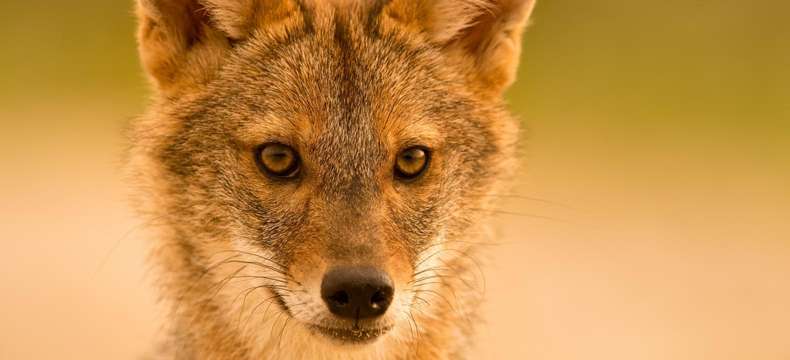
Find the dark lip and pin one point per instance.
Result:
(351, 336)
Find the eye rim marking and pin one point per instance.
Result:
(405, 176)
(290, 172)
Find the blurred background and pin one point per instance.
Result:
(651, 219)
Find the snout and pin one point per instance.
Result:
(357, 292)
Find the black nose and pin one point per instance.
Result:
(357, 292)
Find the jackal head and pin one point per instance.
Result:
(327, 161)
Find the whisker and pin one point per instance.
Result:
(284, 282)
(115, 245)
(426, 284)
(417, 330)
(415, 275)
(442, 277)
(470, 243)
(244, 303)
(417, 266)
(452, 307)
(426, 302)
(434, 293)
(465, 256)
(196, 282)
(466, 281)
(426, 278)
(259, 256)
(282, 334)
(525, 215)
(222, 285)
(528, 198)
(264, 266)
(271, 330)
(255, 309)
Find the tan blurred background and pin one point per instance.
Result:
(658, 138)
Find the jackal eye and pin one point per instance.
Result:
(412, 162)
(277, 160)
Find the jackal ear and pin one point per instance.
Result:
(182, 41)
(483, 35)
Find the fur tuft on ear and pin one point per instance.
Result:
(184, 41)
(484, 35)
(180, 41)
(453, 16)
(234, 17)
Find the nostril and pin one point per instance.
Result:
(340, 298)
(379, 300)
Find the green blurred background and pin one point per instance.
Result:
(662, 127)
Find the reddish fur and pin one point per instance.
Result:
(348, 86)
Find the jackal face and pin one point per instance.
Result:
(320, 155)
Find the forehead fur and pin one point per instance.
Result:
(338, 80)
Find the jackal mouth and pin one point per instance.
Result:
(351, 336)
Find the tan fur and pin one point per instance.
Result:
(347, 84)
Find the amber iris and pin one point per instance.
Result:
(412, 162)
(278, 160)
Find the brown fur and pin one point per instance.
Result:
(348, 84)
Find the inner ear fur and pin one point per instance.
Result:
(481, 36)
(182, 42)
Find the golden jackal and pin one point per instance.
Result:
(319, 171)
